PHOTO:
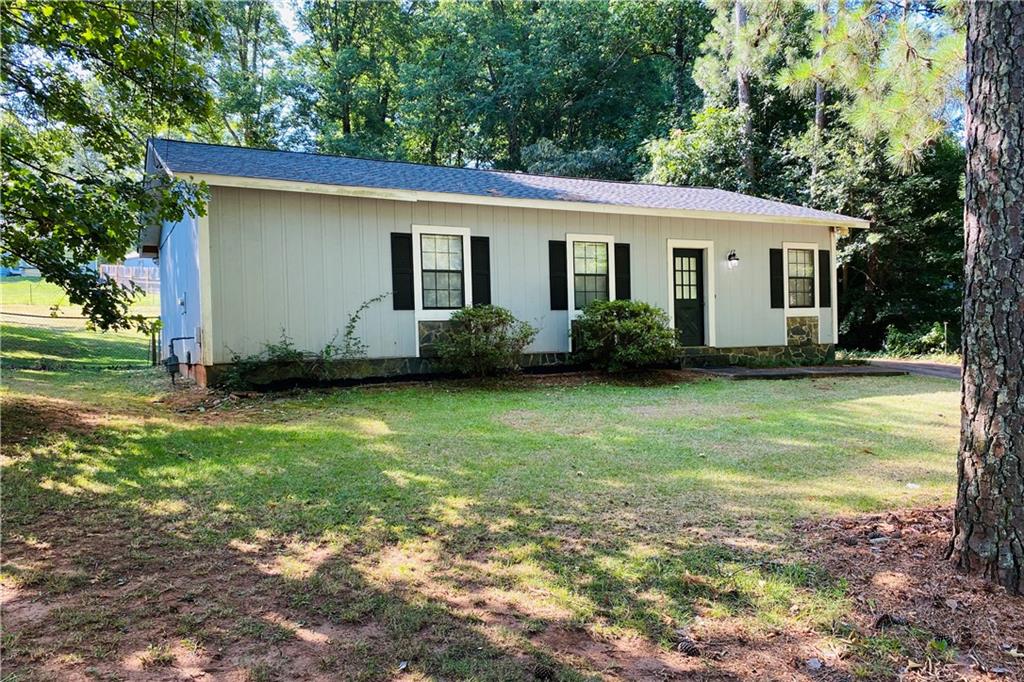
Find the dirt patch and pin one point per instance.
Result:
(679, 408)
(535, 421)
(27, 419)
(148, 607)
(134, 599)
(951, 625)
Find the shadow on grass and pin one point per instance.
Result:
(141, 541)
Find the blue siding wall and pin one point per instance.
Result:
(179, 286)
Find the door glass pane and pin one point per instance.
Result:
(686, 278)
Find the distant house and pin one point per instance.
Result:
(296, 242)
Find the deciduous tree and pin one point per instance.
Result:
(83, 84)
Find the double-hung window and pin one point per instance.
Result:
(590, 272)
(800, 273)
(443, 271)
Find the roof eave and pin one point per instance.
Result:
(248, 182)
(148, 242)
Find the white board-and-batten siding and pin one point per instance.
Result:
(301, 263)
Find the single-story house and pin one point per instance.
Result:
(296, 242)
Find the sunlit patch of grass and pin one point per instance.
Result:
(51, 582)
(156, 656)
(165, 507)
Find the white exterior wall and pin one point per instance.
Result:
(304, 262)
(180, 288)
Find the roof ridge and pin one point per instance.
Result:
(339, 169)
(455, 168)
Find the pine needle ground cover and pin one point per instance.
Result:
(538, 529)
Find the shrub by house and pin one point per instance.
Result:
(623, 335)
(484, 340)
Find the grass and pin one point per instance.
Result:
(22, 293)
(45, 347)
(468, 530)
(39, 329)
(937, 357)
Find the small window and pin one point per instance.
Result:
(590, 272)
(441, 260)
(801, 278)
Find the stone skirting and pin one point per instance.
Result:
(429, 333)
(802, 331)
(373, 369)
(758, 356)
(274, 374)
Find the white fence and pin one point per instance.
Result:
(146, 277)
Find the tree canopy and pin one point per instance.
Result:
(84, 83)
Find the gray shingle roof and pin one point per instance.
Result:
(192, 157)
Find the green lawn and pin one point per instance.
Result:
(53, 347)
(34, 294)
(476, 532)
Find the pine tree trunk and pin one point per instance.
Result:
(819, 109)
(743, 97)
(988, 534)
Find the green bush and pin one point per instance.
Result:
(918, 341)
(484, 340)
(624, 335)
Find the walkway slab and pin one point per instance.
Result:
(925, 369)
(740, 373)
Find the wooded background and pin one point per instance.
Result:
(850, 106)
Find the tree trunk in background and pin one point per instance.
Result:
(743, 95)
(988, 533)
(680, 65)
(819, 109)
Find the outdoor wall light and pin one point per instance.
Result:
(732, 259)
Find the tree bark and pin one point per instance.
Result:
(988, 533)
(743, 96)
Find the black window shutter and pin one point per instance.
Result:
(622, 290)
(775, 268)
(401, 271)
(557, 276)
(480, 250)
(824, 279)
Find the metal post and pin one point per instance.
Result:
(152, 347)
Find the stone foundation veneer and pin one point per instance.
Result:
(801, 331)
(430, 332)
(356, 371)
(758, 356)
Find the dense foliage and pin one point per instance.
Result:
(484, 340)
(624, 335)
(83, 83)
(853, 107)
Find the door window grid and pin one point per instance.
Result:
(590, 273)
(441, 261)
(686, 278)
(800, 264)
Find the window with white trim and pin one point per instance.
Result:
(443, 276)
(590, 272)
(800, 273)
